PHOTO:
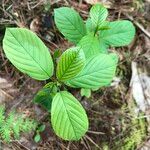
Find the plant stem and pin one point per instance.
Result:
(95, 30)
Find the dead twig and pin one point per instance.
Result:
(95, 132)
(87, 137)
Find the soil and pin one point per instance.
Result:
(110, 109)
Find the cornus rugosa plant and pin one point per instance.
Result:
(87, 66)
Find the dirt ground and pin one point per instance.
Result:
(114, 125)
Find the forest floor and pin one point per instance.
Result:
(117, 119)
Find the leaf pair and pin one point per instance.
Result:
(68, 117)
(117, 33)
(98, 71)
(94, 72)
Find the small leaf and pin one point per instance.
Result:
(41, 128)
(44, 96)
(90, 27)
(121, 33)
(98, 71)
(69, 119)
(70, 24)
(37, 138)
(104, 26)
(70, 63)
(28, 53)
(98, 14)
(86, 92)
(56, 54)
(90, 45)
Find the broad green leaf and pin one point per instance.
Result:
(98, 14)
(28, 53)
(45, 96)
(68, 117)
(98, 71)
(86, 92)
(121, 33)
(90, 45)
(70, 24)
(70, 63)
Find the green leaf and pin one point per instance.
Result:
(37, 138)
(68, 117)
(98, 71)
(90, 45)
(98, 14)
(57, 54)
(70, 63)
(70, 24)
(104, 26)
(121, 33)
(86, 92)
(45, 96)
(28, 53)
(41, 128)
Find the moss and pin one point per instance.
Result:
(137, 132)
(134, 130)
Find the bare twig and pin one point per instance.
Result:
(85, 143)
(92, 141)
(95, 132)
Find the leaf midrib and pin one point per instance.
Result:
(89, 74)
(29, 53)
(68, 115)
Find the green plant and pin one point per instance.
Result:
(97, 35)
(75, 68)
(12, 125)
(37, 137)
